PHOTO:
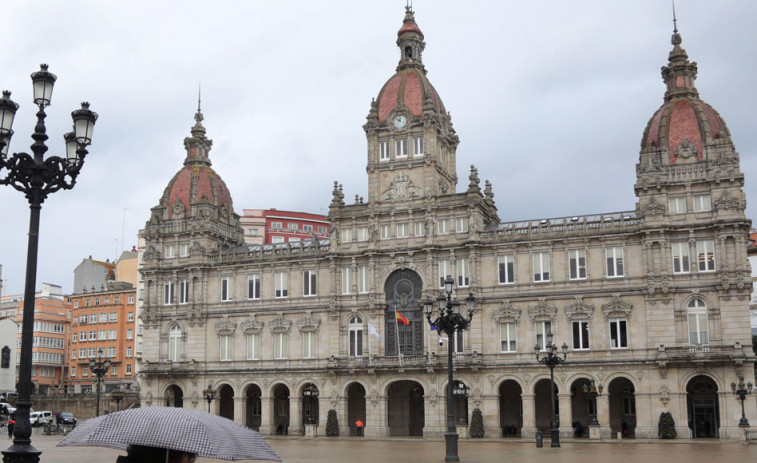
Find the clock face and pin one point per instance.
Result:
(400, 120)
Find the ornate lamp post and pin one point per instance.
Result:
(118, 395)
(99, 368)
(310, 392)
(741, 390)
(551, 359)
(209, 395)
(592, 391)
(449, 319)
(37, 177)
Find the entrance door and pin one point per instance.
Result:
(281, 409)
(355, 407)
(253, 407)
(406, 411)
(702, 404)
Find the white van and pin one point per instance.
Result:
(41, 418)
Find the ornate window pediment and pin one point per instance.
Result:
(579, 310)
(507, 314)
(542, 312)
(653, 207)
(617, 308)
(225, 326)
(308, 323)
(727, 201)
(252, 325)
(280, 324)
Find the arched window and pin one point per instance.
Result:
(356, 336)
(697, 317)
(174, 344)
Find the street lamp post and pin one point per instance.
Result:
(118, 396)
(551, 359)
(209, 395)
(37, 177)
(447, 318)
(592, 391)
(742, 390)
(99, 368)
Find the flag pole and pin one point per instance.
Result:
(397, 328)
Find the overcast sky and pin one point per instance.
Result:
(550, 99)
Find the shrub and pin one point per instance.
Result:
(666, 427)
(332, 424)
(477, 424)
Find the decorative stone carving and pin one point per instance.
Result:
(542, 311)
(308, 323)
(686, 150)
(579, 310)
(617, 308)
(402, 189)
(652, 208)
(726, 201)
(664, 394)
(178, 209)
(197, 250)
(506, 314)
(251, 325)
(475, 182)
(280, 324)
(225, 327)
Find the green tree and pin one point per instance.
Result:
(666, 427)
(477, 424)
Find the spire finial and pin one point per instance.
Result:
(675, 25)
(199, 96)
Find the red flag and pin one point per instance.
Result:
(401, 318)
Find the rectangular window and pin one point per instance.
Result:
(129, 351)
(308, 283)
(170, 251)
(276, 225)
(618, 334)
(307, 228)
(309, 344)
(128, 369)
(226, 289)
(401, 148)
(702, 203)
(386, 232)
(292, 226)
(444, 271)
(76, 304)
(139, 329)
(73, 371)
(580, 335)
(362, 279)
(112, 335)
(542, 331)
(102, 335)
(706, 255)
(677, 205)
(384, 151)
(459, 345)
(403, 230)
(280, 345)
(356, 341)
(418, 146)
(461, 224)
(322, 230)
(541, 266)
(253, 287)
(698, 331)
(463, 278)
(253, 346)
(614, 259)
(84, 371)
(82, 353)
(114, 370)
(281, 285)
(116, 300)
(183, 292)
(103, 318)
(346, 280)
(507, 337)
(225, 348)
(130, 317)
(131, 299)
(113, 317)
(362, 234)
(130, 334)
(73, 354)
(346, 235)
(420, 228)
(82, 319)
(184, 250)
(168, 289)
(277, 239)
(681, 257)
(577, 261)
(442, 226)
(111, 352)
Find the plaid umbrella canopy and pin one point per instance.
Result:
(209, 436)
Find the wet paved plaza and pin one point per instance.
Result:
(427, 451)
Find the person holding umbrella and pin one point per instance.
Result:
(11, 425)
(143, 454)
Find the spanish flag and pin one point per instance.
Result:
(401, 318)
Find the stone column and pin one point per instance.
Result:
(564, 402)
(295, 416)
(529, 415)
(490, 411)
(376, 418)
(603, 415)
(266, 415)
(240, 410)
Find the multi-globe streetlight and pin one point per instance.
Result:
(99, 368)
(551, 359)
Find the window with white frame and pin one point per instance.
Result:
(130, 333)
(139, 329)
(73, 354)
(442, 226)
(184, 292)
(76, 304)
(463, 278)
(614, 259)
(280, 345)
(73, 371)
(174, 344)
(111, 352)
(92, 318)
(362, 234)
(458, 344)
(82, 353)
(103, 318)
(84, 370)
(541, 266)
(131, 299)
(112, 335)
(253, 287)
(292, 226)
(461, 224)
(384, 151)
(281, 285)
(307, 228)
(226, 347)
(445, 270)
(580, 335)
(681, 257)
(346, 280)
(543, 329)
(130, 317)
(419, 228)
(321, 229)
(356, 336)
(386, 231)
(91, 352)
(577, 264)
(362, 279)
(184, 250)
(102, 335)
(677, 205)
(226, 289)
(128, 369)
(618, 333)
(129, 351)
(309, 340)
(418, 147)
(294, 239)
(702, 203)
(112, 317)
(82, 336)
(253, 346)
(400, 147)
(309, 283)
(696, 315)
(706, 255)
(114, 370)
(276, 225)
(277, 239)
(403, 230)
(93, 335)
(507, 337)
(346, 235)
(506, 269)
(170, 251)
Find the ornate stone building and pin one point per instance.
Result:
(653, 302)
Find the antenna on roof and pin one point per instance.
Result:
(199, 96)
(675, 26)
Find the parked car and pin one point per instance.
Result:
(7, 408)
(66, 418)
(41, 418)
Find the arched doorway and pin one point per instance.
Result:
(226, 402)
(355, 406)
(405, 325)
(174, 396)
(281, 409)
(581, 408)
(703, 409)
(542, 407)
(253, 407)
(622, 397)
(310, 395)
(510, 408)
(406, 414)
(460, 395)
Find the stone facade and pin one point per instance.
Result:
(652, 302)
